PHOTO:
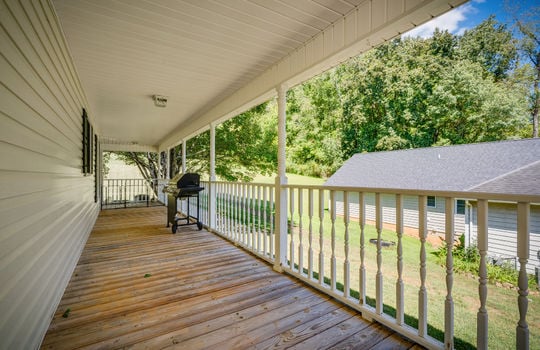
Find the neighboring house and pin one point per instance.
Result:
(509, 167)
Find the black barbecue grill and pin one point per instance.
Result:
(186, 188)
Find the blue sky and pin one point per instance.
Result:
(468, 16)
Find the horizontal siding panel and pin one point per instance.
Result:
(26, 94)
(47, 206)
(36, 277)
(436, 216)
(37, 53)
(33, 87)
(502, 234)
(17, 185)
(19, 159)
(15, 108)
(15, 133)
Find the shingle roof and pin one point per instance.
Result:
(502, 167)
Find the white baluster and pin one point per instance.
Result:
(346, 263)
(523, 242)
(400, 288)
(310, 238)
(333, 262)
(245, 214)
(482, 315)
(254, 236)
(291, 227)
(449, 302)
(238, 218)
(422, 294)
(378, 276)
(321, 234)
(230, 212)
(247, 221)
(271, 238)
(265, 231)
(300, 231)
(362, 272)
(259, 231)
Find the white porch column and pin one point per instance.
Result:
(281, 179)
(159, 172)
(184, 143)
(212, 188)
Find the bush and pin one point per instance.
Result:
(467, 260)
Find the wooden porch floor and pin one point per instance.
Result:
(139, 286)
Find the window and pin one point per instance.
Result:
(460, 206)
(431, 203)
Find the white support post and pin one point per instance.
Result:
(482, 315)
(184, 152)
(212, 195)
(168, 163)
(523, 242)
(449, 302)
(281, 179)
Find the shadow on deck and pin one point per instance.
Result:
(137, 285)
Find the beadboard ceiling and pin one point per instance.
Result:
(194, 52)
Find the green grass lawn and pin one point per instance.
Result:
(501, 301)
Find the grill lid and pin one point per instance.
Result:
(189, 180)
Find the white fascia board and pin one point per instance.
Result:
(368, 25)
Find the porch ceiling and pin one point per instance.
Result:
(195, 52)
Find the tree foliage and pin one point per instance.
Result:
(246, 145)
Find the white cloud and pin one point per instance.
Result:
(451, 21)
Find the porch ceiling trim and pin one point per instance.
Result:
(368, 25)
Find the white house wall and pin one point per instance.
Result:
(435, 216)
(502, 237)
(370, 24)
(47, 206)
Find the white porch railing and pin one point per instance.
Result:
(322, 223)
(122, 193)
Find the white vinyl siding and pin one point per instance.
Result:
(502, 237)
(47, 206)
(436, 215)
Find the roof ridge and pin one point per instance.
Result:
(503, 175)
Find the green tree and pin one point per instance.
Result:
(246, 145)
(529, 26)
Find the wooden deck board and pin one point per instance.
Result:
(200, 291)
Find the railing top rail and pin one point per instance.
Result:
(139, 179)
(502, 197)
(414, 192)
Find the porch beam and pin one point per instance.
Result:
(281, 179)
